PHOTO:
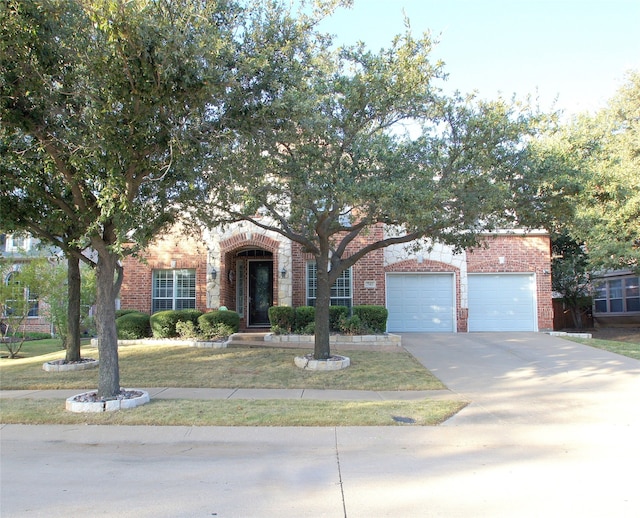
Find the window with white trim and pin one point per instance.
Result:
(617, 295)
(341, 291)
(173, 289)
(19, 290)
(17, 243)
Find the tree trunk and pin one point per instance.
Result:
(73, 310)
(322, 349)
(106, 293)
(576, 314)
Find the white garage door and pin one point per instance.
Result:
(502, 302)
(420, 302)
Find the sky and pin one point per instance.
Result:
(571, 55)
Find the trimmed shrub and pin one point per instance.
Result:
(309, 329)
(133, 325)
(336, 315)
(34, 335)
(163, 323)
(187, 329)
(353, 326)
(372, 317)
(123, 312)
(189, 315)
(218, 332)
(305, 315)
(208, 322)
(282, 319)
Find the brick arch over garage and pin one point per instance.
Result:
(431, 266)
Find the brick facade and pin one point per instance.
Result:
(519, 253)
(502, 253)
(172, 251)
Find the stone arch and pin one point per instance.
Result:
(233, 291)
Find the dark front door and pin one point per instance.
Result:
(260, 292)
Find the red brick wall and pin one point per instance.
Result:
(521, 253)
(172, 251)
(369, 268)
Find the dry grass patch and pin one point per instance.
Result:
(239, 413)
(179, 366)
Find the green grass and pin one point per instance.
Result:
(179, 366)
(237, 413)
(629, 349)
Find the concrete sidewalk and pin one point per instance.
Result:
(551, 432)
(242, 393)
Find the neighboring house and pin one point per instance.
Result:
(504, 286)
(616, 300)
(19, 249)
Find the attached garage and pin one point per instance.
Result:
(502, 302)
(421, 302)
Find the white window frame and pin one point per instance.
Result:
(33, 301)
(341, 291)
(17, 243)
(175, 294)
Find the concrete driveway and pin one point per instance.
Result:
(552, 430)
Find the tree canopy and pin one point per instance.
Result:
(103, 105)
(339, 163)
(600, 155)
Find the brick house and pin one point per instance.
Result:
(616, 300)
(18, 250)
(504, 286)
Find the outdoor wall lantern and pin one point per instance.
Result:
(283, 272)
(214, 273)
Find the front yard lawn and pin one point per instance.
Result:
(179, 366)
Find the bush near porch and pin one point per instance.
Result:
(364, 319)
(188, 323)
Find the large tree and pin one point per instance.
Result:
(341, 164)
(26, 204)
(113, 93)
(601, 152)
(118, 98)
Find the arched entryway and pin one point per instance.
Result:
(251, 283)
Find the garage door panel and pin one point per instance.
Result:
(420, 303)
(502, 302)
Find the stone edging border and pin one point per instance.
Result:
(334, 363)
(168, 341)
(575, 335)
(106, 406)
(55, 366)
(386, 339)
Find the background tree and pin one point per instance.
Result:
(604, 150)
(339, 165)
(58, 302)
(22, 285)
(570, 276)
(28, 204)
